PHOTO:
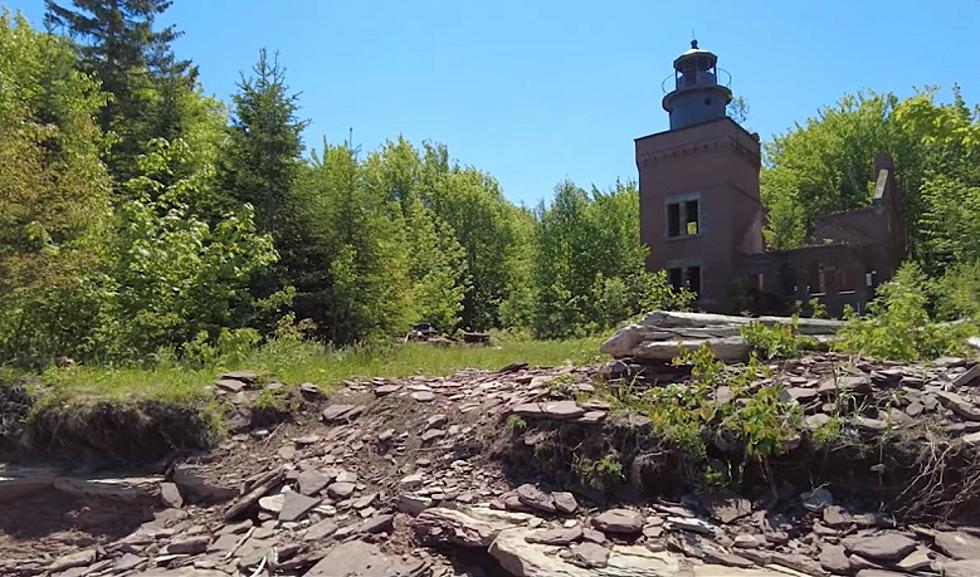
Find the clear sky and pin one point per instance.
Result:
(535, 91)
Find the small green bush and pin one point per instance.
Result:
(777, 341)
(603, 475)
(515, 423)
(898, 325)
(818, 310)
(561, 386)
(755, 416)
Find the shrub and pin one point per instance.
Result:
(898, 326)
(958, 293)
(515, 423)
(778, 340)
(755, 417)
(604, 475)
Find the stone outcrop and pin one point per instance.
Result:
(661, 335)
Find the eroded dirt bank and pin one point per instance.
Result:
(536, 472)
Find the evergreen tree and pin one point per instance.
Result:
(261, 160)
(368, 288)
(118, 45)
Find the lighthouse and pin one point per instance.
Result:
(699, 184)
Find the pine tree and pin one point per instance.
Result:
(118, 45)
(261, 161)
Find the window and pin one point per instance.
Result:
(693, 281)
(685, 277)
(683, 218)
(845, 283)
(831, 279)
(814, 274)
(691, 217)
(673, 220)
(787, 278)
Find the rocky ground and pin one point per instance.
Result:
(438, 476)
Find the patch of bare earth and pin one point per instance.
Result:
(475, 474)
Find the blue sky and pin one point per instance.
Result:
(535, 91)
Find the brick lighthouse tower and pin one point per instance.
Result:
(699, 185)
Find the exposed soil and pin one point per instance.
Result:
(50, 522)
(356, 470)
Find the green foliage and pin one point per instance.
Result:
(826, 433)
(366, 291)
(777, 340)
(515, 423)
(817, 309)
(261, 159)
(958, 292)
(738, 109)
(177, 273)
(754, 417)
(561, 386)
(437, 269)
(588, 272)
(824, 165)
(292, 360)
(898, 325)
(232, 345)
(118, 45)
(54, 206)
(220, 225)
(603, 475)
(609, 470)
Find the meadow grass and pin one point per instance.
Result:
(295, 362)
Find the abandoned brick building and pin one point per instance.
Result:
(701, 215)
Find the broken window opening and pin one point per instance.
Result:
(676, 277)
(814, 278)
(691, 216)
(845, 281)
(693, 280)
(673, 220)
(787, 277)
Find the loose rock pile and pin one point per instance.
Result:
(408, 478)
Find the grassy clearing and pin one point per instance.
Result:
(297, 362)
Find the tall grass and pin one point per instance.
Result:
(293, 362)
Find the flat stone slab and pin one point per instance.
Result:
(341, 490)
(888, 546)
(335, 413)
(424, 396)
(559, 410)
(296, 505)
(231, 385)
(360, 559)
(521, 558)
(619, 521)
(958, 545)
(246, 376)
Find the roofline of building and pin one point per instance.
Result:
(752, 135)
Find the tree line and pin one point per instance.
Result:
(139, 214)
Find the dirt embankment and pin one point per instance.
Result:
(534, 472)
